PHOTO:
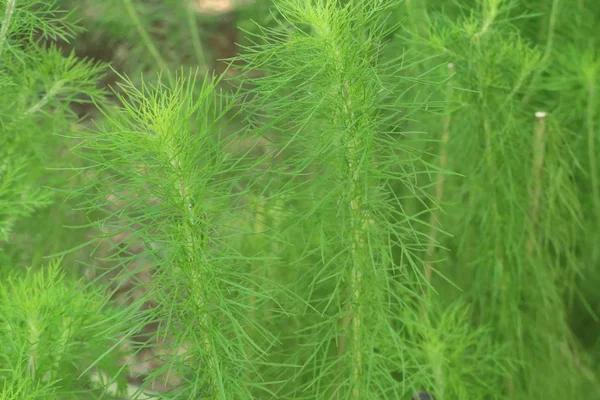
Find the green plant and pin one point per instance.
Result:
(39, 86)
(50, 331)
(53, 333)
(377, 198)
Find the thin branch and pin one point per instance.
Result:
(8, 13)
(148, 42)
(536, 174)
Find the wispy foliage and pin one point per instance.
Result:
(35, 82)
(53, 334)
(395, 200)
(162, 173)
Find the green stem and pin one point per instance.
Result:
(538, 161)
(356, 287)
(196, 43)
(50, 94)
(197, 284)
(591, 111)
(349, 146)
(547, 50)
(144, 35)
(433, 221)
(8, 13)
(48, 97)
(439, 185)
(490, 17)
(353, 318)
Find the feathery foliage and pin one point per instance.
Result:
(374, 200)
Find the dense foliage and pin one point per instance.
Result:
(321, 199)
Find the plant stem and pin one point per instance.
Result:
(439, 186)
(498, 262)
(491, 176)
(357, 248)
(538, 161)
(353, 309)
(50, 94)
(259, 229)
(34, 336)
(8, 13)
(144, 35)
(490, 17)
(197, 286)
(196, 43)
(547, 50)
(433, 221)
(349, 146)
(355, 284)
(591, 111)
